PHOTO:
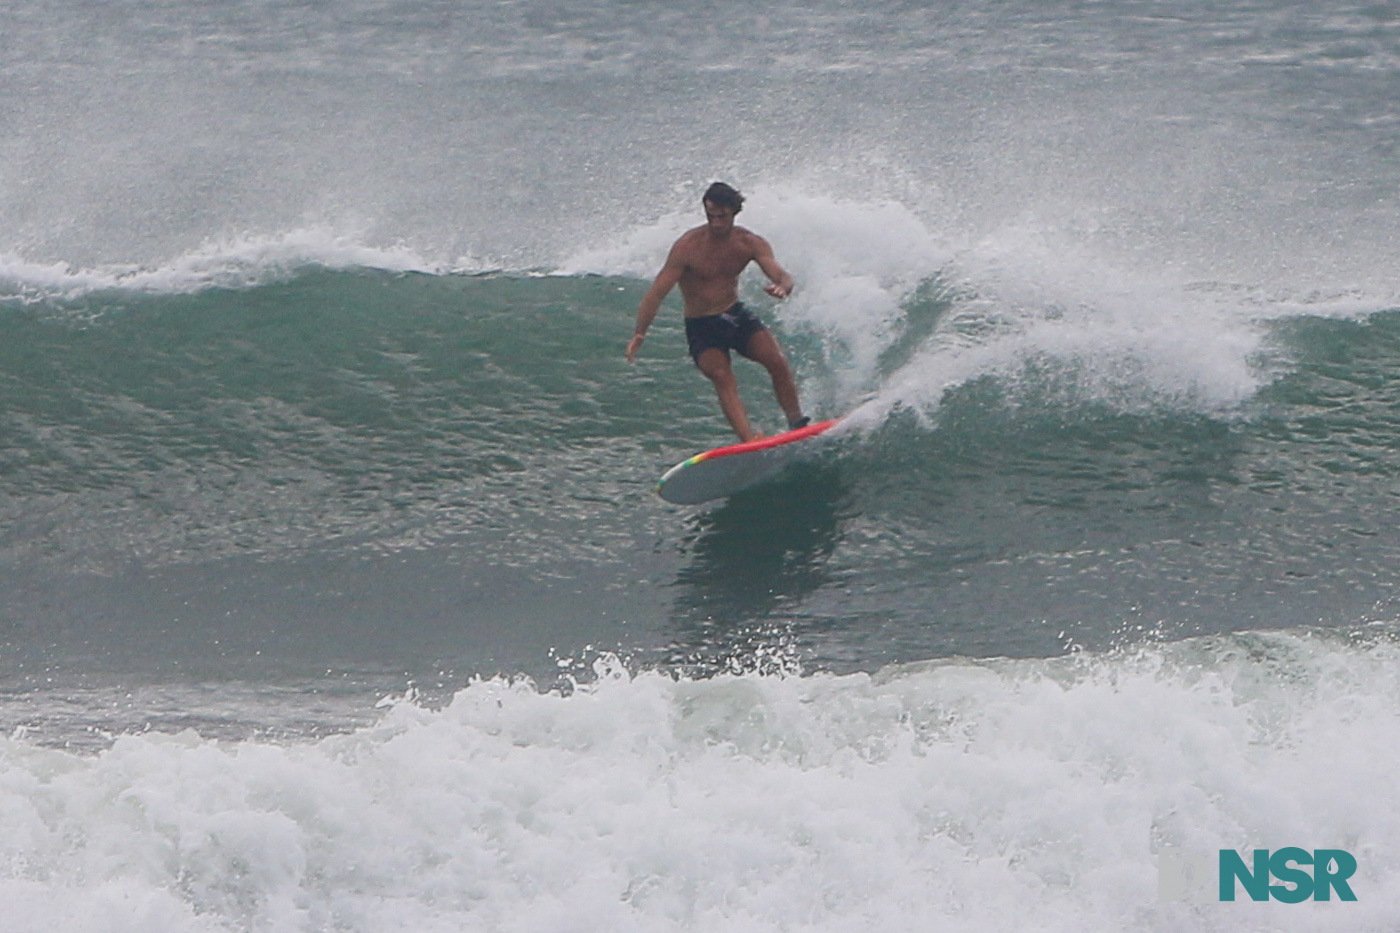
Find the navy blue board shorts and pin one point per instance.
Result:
(728, 331)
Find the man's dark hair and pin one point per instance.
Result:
(722, 195)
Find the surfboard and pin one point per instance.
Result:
(727, 470)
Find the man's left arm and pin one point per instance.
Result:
(780, 283)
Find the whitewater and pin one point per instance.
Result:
(996, 796)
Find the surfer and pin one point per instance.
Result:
(705, 262)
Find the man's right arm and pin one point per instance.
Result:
(661, 286)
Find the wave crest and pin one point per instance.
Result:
(241, 262)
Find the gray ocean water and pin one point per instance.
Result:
(334, 590)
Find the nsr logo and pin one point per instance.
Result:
(1186, 875)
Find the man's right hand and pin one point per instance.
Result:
(633, 346)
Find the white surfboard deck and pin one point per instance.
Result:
(724, 471)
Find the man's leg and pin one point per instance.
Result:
(763, 349)
(714, 363)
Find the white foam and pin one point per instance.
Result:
(236, 263)
(993, 796)
(856, 264)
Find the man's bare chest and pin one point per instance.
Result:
(717, 263)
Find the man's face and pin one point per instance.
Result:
(718, 219)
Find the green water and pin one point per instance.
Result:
(427, 473)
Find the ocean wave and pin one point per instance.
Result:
(901, 314)
(243, 262)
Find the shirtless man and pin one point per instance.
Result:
(706, 263)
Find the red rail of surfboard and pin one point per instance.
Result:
(777, 440)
